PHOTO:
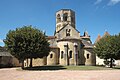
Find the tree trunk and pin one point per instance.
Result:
(30, 62)
(27, 62)
(111, 62)
(22, 64)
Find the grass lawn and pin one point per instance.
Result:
(58, 67)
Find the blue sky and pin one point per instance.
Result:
(95, 16)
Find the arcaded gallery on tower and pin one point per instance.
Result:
(67, 46)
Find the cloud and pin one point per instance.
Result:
(1, 41)
(113, 2)
(97, 2)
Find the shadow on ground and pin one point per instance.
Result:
(45, 68)
(116, 68)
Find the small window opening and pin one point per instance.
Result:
(58, 18)
(65, 16)
(88, 56)
(51, 55)
(62, 53)
(68, 32)
(70, 54)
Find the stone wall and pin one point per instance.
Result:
(72, 59)
(9, 61)
(6, 61)
(36, 62)
(90, 57)
(73, 33)
(60, 22)
(53, 57)
(16, 62)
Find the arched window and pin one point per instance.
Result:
(70, 54)
(51, 55)
(88, 56)
(65, 16)
(58, 18)
(62, 53)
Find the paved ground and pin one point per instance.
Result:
(13, 74)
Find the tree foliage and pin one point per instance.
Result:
(108, 47)
(27, 42)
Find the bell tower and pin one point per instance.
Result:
(65, 17)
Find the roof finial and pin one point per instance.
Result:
(86, 33)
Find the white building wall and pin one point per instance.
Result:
(99, 61)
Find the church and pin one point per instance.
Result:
(67, 46)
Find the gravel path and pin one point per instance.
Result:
(13, 74)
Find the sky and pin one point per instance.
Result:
(93, 16)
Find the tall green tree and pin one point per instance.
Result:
(108, 47)
(27, 42)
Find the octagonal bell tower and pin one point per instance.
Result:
(64, 17)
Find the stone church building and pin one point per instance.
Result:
(67, 46)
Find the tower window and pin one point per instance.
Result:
(72, 19)
(51, 55)
(88, 55)
(70, 54)
(65, 16)
(58, 18)
(62, 53)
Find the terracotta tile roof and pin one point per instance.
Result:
(106, 34)
(98, 38)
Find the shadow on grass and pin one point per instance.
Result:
(116, 67)
(37, 68)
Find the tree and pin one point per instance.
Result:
(108, 47)
(27, 42)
